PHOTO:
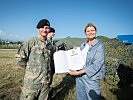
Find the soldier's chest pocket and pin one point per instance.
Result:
(40, 53)
(37, 54)
(37, 50)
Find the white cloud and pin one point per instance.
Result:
(12, 37)
(2, 34)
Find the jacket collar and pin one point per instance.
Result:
(95, 42)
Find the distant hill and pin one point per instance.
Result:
(71, 42)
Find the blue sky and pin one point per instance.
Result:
(18, 18)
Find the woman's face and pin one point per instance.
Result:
(90, 32)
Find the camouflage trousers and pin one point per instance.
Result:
(35, 92)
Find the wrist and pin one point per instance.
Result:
(78, 72)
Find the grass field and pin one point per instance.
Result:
(11, 79)
(10, 76)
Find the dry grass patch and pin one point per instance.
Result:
(11, 79)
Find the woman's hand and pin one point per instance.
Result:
(74, 72)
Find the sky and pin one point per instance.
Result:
(18, 18)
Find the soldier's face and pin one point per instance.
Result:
(44, 31)
(51, 34)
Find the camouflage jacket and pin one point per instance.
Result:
(52, 53)
(35, 55)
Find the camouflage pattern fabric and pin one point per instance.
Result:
(52, 59)
(37, 71)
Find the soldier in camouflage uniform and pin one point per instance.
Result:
(35, 56)
(50, 37)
